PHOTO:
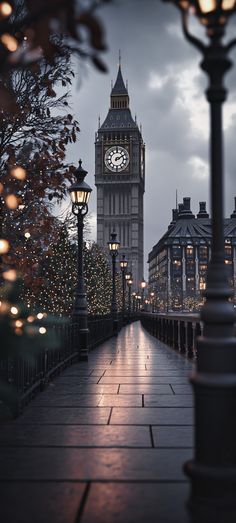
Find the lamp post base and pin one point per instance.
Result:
(212, 498)
(83, 344)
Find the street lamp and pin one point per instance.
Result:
(123, 267)
(113, 245)
(80, 193)
(133, 302)
(130, 283)
(213, 470)
(143, 285)
(152, 294)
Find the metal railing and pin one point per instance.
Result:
(23, 377)
(179, 331)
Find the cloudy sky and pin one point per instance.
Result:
(166, 88)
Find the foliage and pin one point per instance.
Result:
(52, 288)
(30, 28)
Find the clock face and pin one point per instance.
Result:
(116, 158)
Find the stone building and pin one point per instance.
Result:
(120, 179)
(178, 262)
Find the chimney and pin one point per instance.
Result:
(174, 217)
(233, 215)
(202, 210)
(186, 203)
(185, 209)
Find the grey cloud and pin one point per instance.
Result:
(141, 29)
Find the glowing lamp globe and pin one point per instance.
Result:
(113, 244)
(209, 12)
(80, 190)
(123, 263)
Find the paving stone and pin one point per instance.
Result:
(143, 379)
(121, 400)
(67, 400)
(145, 373)
(86, 389)
(92, 464)
(173, 437)
(152, 416)
(165, 400)
(75, 436)
(74, 380)
(145, 389)
(64, 415)
(40, 502)
(136, 503)
(182, 389)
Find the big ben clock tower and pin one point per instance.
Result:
(120, 179)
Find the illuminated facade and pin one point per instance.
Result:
(178, 262)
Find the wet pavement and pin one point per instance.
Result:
(105, 442)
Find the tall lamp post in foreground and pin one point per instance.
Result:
(123, 267)
(213, 470)
(113, 245)
(80, 193)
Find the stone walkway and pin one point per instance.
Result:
(105, 442)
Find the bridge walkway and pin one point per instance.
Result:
(105, 442)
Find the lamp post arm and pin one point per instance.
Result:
(192, 39)
(230, 45)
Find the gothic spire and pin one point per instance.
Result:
(119, 87)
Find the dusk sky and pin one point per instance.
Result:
(166, 88)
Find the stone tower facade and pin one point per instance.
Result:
(120, 179)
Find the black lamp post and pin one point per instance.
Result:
(213, 470)
(152, 294)
(113, 245)
(123, 267)
(130, 283)
(80, 193)
(143, 287)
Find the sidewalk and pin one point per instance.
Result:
(105, 442)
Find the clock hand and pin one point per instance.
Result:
(117, 158)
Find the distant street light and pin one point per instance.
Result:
(130, 283)
(152, 294)
(113, 245)
(213, 470)
(80, 193)
(143, 286)
(123, 267)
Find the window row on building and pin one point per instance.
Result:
(178, 262)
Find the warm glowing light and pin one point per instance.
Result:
(4, 307)
(14, 310)
(40, 316)
(10, 42)
(27, 235)
(18, 172)
(10, 275)
(5, 9)
(18, 331)
(30, 319)
(42, 330)
(4, 246)
(228, 4)
(19, 323)
(11, 201)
